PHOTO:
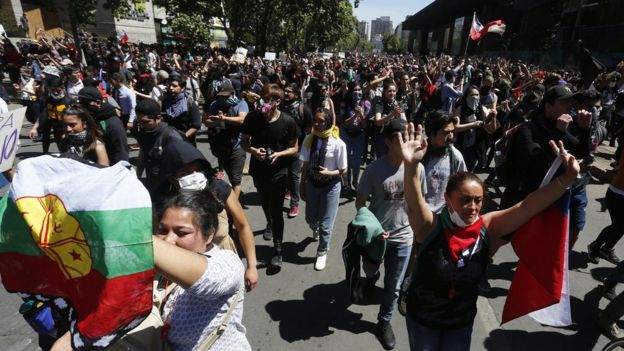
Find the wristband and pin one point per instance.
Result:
(558, 179)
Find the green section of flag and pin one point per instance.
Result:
(120, 241)
(14, 233)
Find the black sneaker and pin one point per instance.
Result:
(592, 254)
(276, 261)
(385, 335)
(608, 255)
(268, 234)
(608, 291)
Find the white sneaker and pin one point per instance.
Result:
(321, 261)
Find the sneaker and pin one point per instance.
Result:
(268, 234)
(385, 335)
(276, 261)
(592, 254)
(287, 195)
(294, 211)
(608, 328)
(321, 262)
(608, 255)
(608, 291)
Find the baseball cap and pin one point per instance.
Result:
(395, 126)
(90, 82)
(89, 93)
(226, 89)
(148, 107)
(558, 92)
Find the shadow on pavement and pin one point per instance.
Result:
(250, 199)
(587, 333)
(322, 308)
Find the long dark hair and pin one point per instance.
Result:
(93, 132)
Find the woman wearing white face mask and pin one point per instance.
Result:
(188, 170)
(472, 117)
(442, 294)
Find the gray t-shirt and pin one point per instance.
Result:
(437, 173)
(384, 183)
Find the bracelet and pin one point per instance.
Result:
(558, 179)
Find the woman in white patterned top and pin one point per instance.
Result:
(208, 283)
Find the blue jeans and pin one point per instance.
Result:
(395, 263)
(355, 149)
(423, 338)
(321, 210)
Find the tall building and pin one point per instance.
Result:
(381, 25)
(363, 29)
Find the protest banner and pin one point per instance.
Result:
(10, 126)
(269, 56)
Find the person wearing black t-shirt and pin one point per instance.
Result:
(270, 135)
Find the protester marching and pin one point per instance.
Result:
(157, 250)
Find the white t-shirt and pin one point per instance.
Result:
(335, 156)
(4, 108)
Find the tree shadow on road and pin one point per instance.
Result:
(587, 333)
(323, 307)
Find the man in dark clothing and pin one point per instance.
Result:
(529, 156)
(271, 137)
(115, 138)
(154, 137)
(50, 121)
(302, 116)
(180, 111)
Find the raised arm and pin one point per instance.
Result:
(500, 223)
(414, 146)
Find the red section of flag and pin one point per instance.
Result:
(124, 39)
(540, 246)
(102, 305)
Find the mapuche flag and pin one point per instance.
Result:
(84, 234)
(540, 285)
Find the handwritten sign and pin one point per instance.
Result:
(10, 126)
(269, 56)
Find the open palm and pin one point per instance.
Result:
(413, 144)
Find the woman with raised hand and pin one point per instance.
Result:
(442, 294)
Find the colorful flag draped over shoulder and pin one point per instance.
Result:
(476, 28)
(71, 230)
(540, 283)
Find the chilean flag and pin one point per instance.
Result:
(476, 28)
(541, 284)
(496, 27)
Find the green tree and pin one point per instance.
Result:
(194, 27)
(392, 44)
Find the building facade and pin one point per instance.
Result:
(538, 31)
(382, 26)
(363, 29)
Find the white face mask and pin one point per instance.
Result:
(456, 219)
(472, 102)
(193, 181)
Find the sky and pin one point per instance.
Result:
(396, 9)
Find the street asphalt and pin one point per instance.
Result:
(301, 309)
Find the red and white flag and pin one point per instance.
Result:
(476, 28)
(496, 27)
(540, 286)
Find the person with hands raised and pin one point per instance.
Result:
(456, 245)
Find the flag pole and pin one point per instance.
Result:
(474, 14)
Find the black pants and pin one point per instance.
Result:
(272, 189)
(611, 234)
(49, 127)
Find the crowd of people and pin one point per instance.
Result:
(421, 127)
